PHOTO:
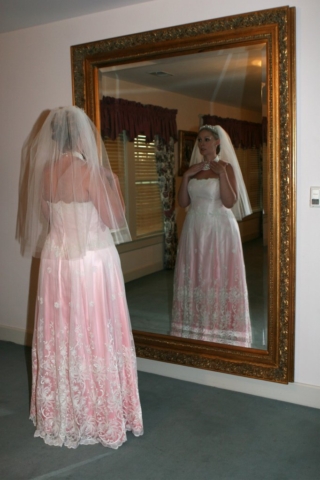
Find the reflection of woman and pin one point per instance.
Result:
(83, 358)
(210, 292)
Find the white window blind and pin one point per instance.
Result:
(143, 201)
(116, 154)
(149, 211)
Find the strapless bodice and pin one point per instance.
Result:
(205, 197)
(76, 228)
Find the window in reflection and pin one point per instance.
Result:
(149, 212)
(135, 165)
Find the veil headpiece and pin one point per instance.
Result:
(65, 167)
(242, 207)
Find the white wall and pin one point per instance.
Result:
(36, 76)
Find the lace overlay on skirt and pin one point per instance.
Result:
(84, 370)
(210, 292)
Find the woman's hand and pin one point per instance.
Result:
(193, 170)
(219, 168)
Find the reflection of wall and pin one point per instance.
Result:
(143, 258)
(250, 227)
(188, 108)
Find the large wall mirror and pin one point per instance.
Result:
(238, 71)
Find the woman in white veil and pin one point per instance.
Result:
(227, 154)
(210, 299)
(84, 387)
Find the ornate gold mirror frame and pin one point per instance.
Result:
(276, 28)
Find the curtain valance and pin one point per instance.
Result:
(242, 133)
(118, 114)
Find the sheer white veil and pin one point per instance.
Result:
(66, 164)
(242, 207)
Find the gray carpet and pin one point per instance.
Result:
(191, 432)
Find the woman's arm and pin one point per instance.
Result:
(228, 184)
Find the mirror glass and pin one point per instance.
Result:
(227, 83)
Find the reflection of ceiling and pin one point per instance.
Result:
(231, 76)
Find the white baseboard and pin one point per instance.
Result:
(15, 335)
(298, 393)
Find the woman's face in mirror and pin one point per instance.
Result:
(207, 143)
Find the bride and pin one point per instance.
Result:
(210, 299)
(84, 375)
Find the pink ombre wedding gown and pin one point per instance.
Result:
(210, 292)
(83, 358)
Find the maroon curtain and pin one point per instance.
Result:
(165, 169)
(242, 133)
(118, 114)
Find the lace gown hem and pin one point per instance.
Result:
(85, 387)
(210, 300)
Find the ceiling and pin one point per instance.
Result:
(225, 77)
(17, 14)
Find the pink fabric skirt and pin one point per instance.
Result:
(210, 299)
(84, 370)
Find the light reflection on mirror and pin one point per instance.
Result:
(228, 83)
